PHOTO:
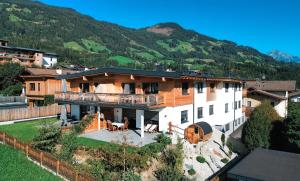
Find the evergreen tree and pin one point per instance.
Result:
(292, 125)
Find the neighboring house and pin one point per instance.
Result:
(26, 56)
(157, 97)
(264, 164)
(295, 96)
(39, 83)
(276, 92)
(10, 102)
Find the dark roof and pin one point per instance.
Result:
(269, 94)
(21, 49)
(289, 85)
(296, 93)
(269, 165)
(205, 127)
(146, 73)
(40, 72)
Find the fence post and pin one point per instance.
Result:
(76, 176)
(3, 137)
(14, 142)
(57, 167)
(41, 158)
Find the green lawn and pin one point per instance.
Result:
(15, 166)
(25, 131)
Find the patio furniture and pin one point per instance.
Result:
(147, 127)
(125, 126)
(111, 127)
(153, 128)
(118, 124)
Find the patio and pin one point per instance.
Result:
(133, 137)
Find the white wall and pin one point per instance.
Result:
(49, 61)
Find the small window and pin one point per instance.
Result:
(235, 105)
(226, 108)
(39, 87)
(235, 122)
(226, 87)
(249, 104)
(227, 127)
(212, 87)
(239, 121)
(32, 86)
(211, 109)
(184, 117)
(200, 112)
(239, 104)
(150, 88)
(196, 131)
(128, 88)
(200, 87)
(185, 88)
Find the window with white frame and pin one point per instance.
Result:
(200, 86)
(200, 112)
(226, 108)
(184, 116)
(211, 109)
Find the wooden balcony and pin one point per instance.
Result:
(126, 100)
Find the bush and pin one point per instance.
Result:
(230, 147)
(191, 171)
(83, 124)
(223, 139)
(131, 176)
(69, 145)
(167, 173)
(12, 90)
(162, 138)
(200, 159)
(47, 138)
(48, 100)
(224, 160)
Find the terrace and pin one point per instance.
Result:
(129, 100)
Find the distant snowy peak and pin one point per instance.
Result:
(284, 57)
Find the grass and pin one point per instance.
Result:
(73, 45)
(122, 60)
(14, 18)
(15, 166)
(25, 131)
(182, 46)
(94, 46)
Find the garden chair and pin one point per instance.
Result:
(153, 128)
(111, 127)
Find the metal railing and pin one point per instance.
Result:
(129, 99)
(9, 99)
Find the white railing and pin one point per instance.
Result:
(130, 99)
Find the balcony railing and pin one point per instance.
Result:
(108, 98)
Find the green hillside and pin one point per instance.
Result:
(80, 39)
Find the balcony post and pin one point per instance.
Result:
(63, 115)
(99, 116)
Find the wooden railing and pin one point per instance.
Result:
(127, 99)
(46, 159)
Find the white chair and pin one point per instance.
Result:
(153, 128)
(147, 127)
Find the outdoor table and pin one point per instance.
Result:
(118, 124)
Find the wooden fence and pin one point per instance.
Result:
(27, 113)
(46, 160)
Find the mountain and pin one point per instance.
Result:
(80, 39)
(284, 57)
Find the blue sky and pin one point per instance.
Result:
(262, 24)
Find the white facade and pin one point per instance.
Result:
(49, 60)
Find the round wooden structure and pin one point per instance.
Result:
(200, 131)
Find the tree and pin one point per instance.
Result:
(256, 131)
(69, 145)
(9, 79)
(292, 126)
(47, 138)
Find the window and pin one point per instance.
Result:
(227, 127)
(184, 117)
(239, 121)
(226, 108)
(128, 88)
(200, 112)
(211, 109)
(235, 105)
(226, 87)
(150, 88)
(200, 87)
(212, 87)
(239, 85)
(235, 122)
(239, 104)
(32, 86)
(185, 88)
(196, 131)
(249, 104)
(39, 86)
(84, 87)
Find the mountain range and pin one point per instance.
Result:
(81, 39)
(284, 57)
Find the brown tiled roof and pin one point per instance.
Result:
(289, 85)
(39, 72)
(296, 93)
(267, 94)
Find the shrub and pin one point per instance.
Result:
(224, 160)
(230, 147)
(191, 171)
(162, 138)
(223, 139)
(48, 100)
(69, 145)
(131, 176)
(167, 173)
(200, 159)
(83, 124)
(47, 138)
